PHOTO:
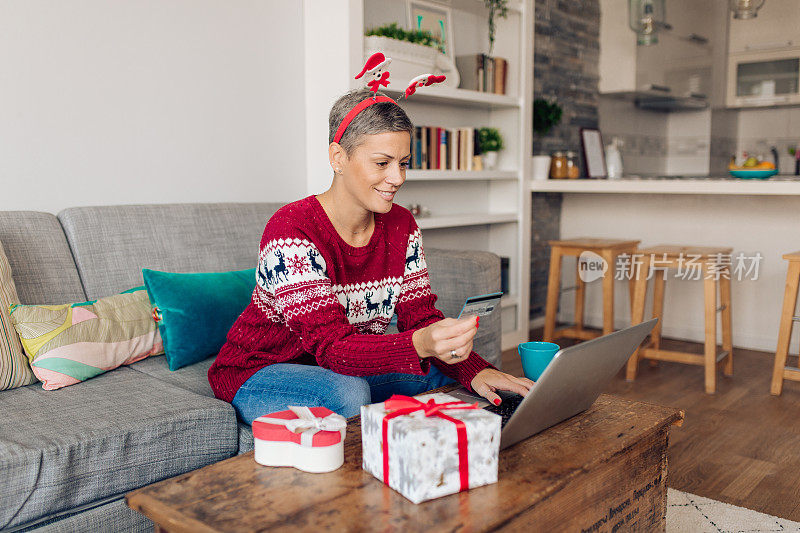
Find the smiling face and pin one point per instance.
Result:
(375, 170)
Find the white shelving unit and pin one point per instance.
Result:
(461, 98)
(459, 175)
(460, 221)
(490, 209)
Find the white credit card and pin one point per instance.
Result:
(481, 305)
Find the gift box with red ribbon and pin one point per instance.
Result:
(309, 439)
(430, 446)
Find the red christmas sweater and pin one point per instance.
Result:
(320, 301)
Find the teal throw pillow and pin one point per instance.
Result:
(194, 312)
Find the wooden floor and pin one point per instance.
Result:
(740, 445)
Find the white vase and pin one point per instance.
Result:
(409, 60)
(540, 168)
(489, 160)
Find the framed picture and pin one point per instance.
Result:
(435, 18)
(593, 155)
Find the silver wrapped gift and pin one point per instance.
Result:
(423, 454)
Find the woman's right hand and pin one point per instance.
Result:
(449, 340)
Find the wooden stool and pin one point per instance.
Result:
(705, 261)
(781, 371)
(608, 249)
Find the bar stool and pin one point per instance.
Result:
(781, 371)
(609, 250)
(708, 262)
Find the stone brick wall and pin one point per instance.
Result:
(567, 50)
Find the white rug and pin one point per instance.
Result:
(689, 513)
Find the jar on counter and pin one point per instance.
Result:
(558, 165)
(573, 166)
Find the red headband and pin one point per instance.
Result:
(362, 105)
(376, 66)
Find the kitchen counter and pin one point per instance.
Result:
(780, 185)
(754, 217)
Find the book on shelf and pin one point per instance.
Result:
(442, 162)
(438, 148)
(500, 68)
(482, 73)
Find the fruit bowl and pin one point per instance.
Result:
(760, 174)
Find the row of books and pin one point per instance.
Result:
(482, 73)
(436, 148)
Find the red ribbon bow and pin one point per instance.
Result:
(400, 405)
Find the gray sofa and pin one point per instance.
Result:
(68, 456)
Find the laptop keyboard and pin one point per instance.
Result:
(506, 408)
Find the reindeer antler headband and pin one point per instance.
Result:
(376, 65)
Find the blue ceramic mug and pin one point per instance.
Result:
(535, 357)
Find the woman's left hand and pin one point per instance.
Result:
(489, 380)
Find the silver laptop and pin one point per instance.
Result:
(569, 385)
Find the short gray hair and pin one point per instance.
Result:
(377, 118)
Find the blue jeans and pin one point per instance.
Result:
(277, 386)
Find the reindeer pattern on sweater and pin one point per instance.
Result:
(292, 274)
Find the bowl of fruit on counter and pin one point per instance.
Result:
(752, 168)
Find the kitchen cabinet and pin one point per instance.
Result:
(764, 57)
(674, 73)
(776, 26)
(764, 78)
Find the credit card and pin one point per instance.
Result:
(481, 305)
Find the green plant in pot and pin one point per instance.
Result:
(546, 116)
(489, 142)
(393, 31)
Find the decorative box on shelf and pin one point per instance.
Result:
(410, 60)
(430, 446)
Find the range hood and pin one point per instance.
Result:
(660, 98)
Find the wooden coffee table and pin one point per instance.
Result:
(602, 470)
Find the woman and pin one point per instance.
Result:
(333, 269)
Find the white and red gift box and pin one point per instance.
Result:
(430, 446)
(307, 438)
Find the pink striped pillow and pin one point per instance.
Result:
(14, 368)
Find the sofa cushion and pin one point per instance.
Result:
(109, 515)
(40, 258)
(112, 244)
(456, 275)
(245, 438)
(103, 437)
(192, 378)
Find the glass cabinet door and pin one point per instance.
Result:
(765, 79)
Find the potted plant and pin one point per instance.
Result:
(393, 31)
(489, 142)
(546, 115)
(412, 51)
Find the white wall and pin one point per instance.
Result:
(689, 143)
(122, 101)
(333, 56)
(760, 129)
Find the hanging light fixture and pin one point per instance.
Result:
(646, 17)
(745, 9)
